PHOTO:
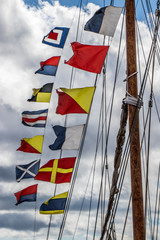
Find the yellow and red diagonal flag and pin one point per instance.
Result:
(75, 100)
(31, 145)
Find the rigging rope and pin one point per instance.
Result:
(99, 136)
(143, 85)
(108, 131)
(149, 128)
(156, 205)
(138, 33)
(69, 191)
(65, 123)
(112, 102)
(117, 159)
(116, 74)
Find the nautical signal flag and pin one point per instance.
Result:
(28, 194)
(68, 138)
(76, 100)
(49, 67)
(42, 94)
(88, 57)
(27, 171)
(54, 205)
(35, 118)
(56, 170)
(104, 21)
(56, 37)
(32, 145)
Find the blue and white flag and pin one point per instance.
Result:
(27, 171)
(68, 138)
(56, 37)
(35, 118)
(104, 21)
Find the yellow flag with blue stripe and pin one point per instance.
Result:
(54, 205)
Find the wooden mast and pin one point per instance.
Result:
(136, 179)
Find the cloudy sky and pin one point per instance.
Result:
(23, 25)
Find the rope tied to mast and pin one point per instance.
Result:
(129, 99)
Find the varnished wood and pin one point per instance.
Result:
(136, 179)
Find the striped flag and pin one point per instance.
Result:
(35, 118)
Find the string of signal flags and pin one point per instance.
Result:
(76, 100)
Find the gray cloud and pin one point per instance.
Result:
(7, 174)
(22, 29)
(20, 222)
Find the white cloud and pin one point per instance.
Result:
(22, 29)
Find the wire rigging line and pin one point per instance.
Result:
(76, 38)
(114, 85)
(83, 200)
(107, 134)
(151, 24)
(99, 136)
(74, 174)
(144, 87)
(125, 222)
(65, 123)
(156, 203)
(143, 138)
(154, 99)
(90, 205)
(143, 114)
(34, 227)
(73, 181)
(103, 158)
(113, 92)
(117, 160)
(142, 92)
(149, 127)
(50, 219)
(158, 213)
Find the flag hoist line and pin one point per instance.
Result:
(41, 157)
(50, 220)
(62, 226)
